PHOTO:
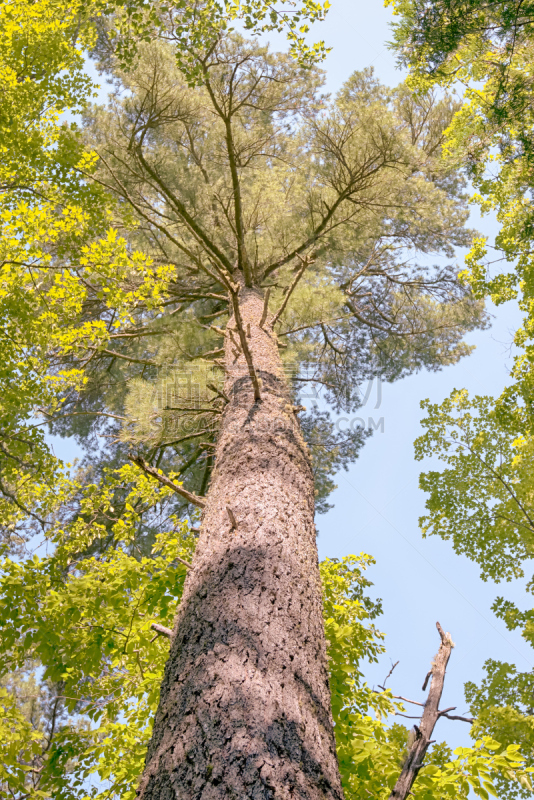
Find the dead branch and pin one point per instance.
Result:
(390, 673)
(193, 410)
(470, 720)
(404, 699)
(189, 496)
(235, 343)
(422, 733)
(217, 330)
(122, 357)
(213, 353)
(185, 438)
(218, 392)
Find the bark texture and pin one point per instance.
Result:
(245, 701)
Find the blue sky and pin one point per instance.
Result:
(377, 503)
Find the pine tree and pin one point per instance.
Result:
(482, 500)
(286, 218)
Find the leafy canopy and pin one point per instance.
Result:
(87, 621)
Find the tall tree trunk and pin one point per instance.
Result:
(245, 701)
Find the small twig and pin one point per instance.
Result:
(212, 354)
(185, 438)
(193, 410)
(114, 354)
(80, 414)
(231, 517)
(265, 307)
(139, 664)
(400, 697)
(189, 496)
(236, 345)
(161, 630)
(218, 330)
(5, 491)
(426, 680)
(183, 561)
(390, 673)
(405, 700)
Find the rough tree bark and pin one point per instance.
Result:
(245, 701)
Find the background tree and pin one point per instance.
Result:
(482, 500)
(486, 49)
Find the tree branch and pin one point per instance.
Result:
(106, 352)
(244, 346)
(422, 733)
(189, 496)
(161, 630)
(305, 263)
(224, 267)
(470, 720)
(265, 307)
(184, 562)
(242, 256)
